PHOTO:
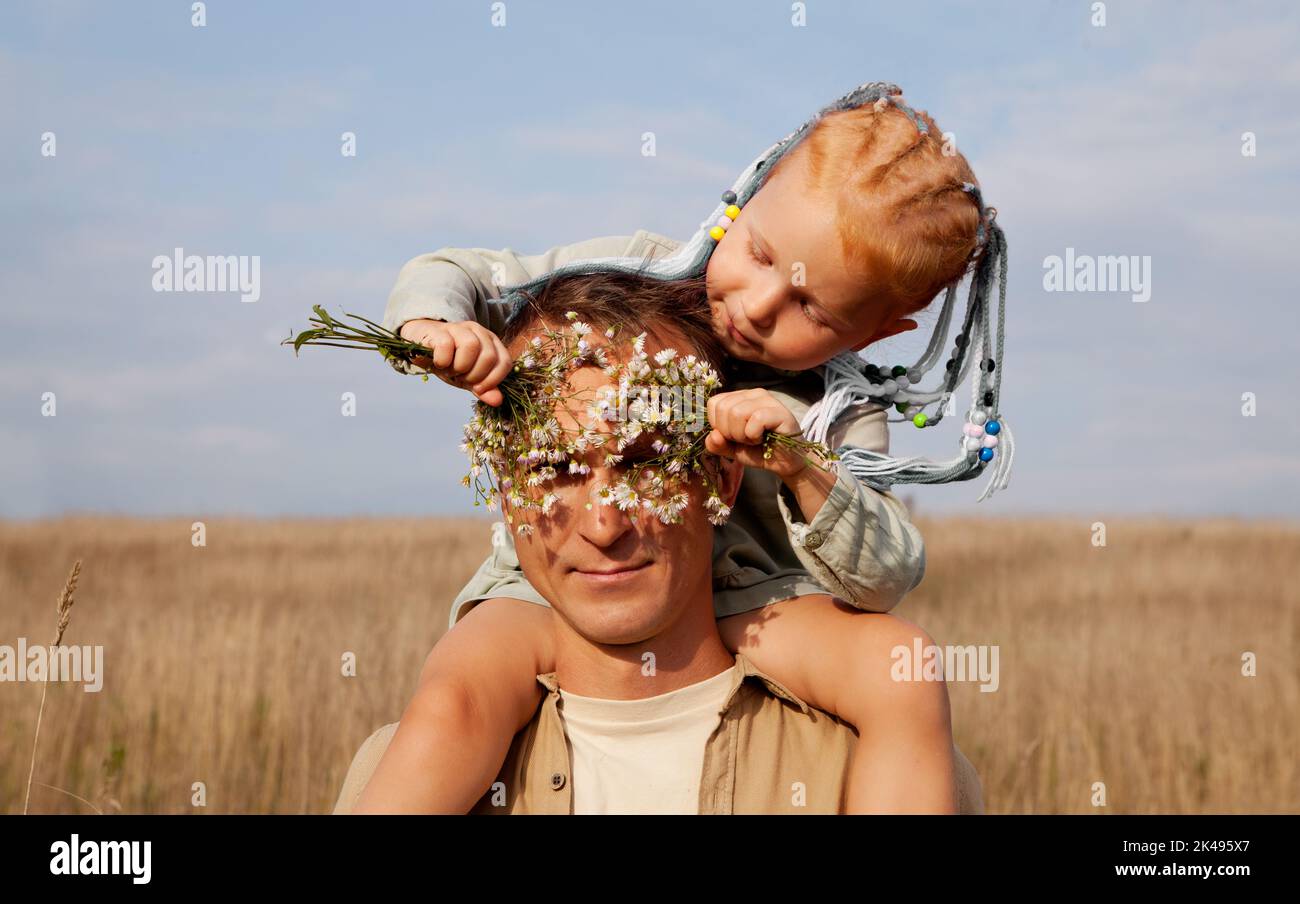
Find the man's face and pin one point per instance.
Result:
(613, 580)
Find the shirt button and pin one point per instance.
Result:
(813, 539)
(557, 781)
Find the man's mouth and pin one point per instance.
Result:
(611, 574)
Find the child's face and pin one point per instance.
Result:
(779, 279)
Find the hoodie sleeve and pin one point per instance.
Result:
(861, 544)
(457, 284)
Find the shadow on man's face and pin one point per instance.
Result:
(613, 579)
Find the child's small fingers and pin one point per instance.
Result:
(726, 427)
(416, 331)
(501, 369)
(444, 350)
(733, 419)
(718, 405)
(716, 443)
(468, 349)
(491, 397)
(483, 365)
(733, 416)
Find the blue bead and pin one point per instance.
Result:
(992, 428)
(986, 454)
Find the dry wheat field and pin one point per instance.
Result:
(1119, 664)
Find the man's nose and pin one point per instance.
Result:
(763, 301)
(603, 524)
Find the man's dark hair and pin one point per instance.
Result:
(635, 304)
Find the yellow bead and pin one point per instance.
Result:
(717, 232)
(733, 211)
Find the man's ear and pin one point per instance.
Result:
(901, 325)
(729, 473)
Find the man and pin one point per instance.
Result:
(647, 711)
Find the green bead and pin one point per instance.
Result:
(424, 377)
(898, 370)
(901, 407)
(920, 419)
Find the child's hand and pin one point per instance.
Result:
(467, 355)
(740, 419)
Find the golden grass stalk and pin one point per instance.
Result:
(64, 608)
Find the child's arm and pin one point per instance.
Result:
(859, 537)
(472, 699)
(454, 285)
(861, 544)
(857, 542)
(904, 760)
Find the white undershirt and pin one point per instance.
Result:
(642, 756)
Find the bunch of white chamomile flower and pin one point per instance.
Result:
(520, 443)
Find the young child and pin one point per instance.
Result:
(863, 220)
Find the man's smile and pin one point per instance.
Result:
(611, 574)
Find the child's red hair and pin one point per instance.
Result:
(901, 209)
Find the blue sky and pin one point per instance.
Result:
(1122, 139)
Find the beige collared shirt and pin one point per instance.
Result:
(770, 754)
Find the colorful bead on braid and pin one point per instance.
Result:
(981, 435)
(719, 229)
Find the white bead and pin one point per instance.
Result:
(972, 444)
(915, 375)
(889, 388)
(978, 417)
(902, 381)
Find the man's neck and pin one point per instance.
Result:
(686, 653)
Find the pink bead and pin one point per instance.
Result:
(724, 221)
(974, 430)
(990, 442)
